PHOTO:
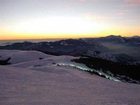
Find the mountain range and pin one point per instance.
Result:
(116, 56)
(114, 48)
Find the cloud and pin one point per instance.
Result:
(82, 0)
(132, 2)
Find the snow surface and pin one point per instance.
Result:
(18, 56)
(49, 81)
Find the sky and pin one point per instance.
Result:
(38, 19)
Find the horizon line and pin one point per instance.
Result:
(20, 39)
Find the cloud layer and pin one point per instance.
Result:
(133, 2)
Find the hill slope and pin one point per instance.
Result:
(62, 86)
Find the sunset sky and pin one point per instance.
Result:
(38, 19)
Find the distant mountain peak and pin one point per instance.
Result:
(114, 36)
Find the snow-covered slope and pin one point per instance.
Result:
(18, 56)
(49, 81)
(62, 86)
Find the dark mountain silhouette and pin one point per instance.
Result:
(63, 47)
(114, 48)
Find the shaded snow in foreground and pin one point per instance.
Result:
(85, 68)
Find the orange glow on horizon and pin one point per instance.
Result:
(63, 27)
(19, 36)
